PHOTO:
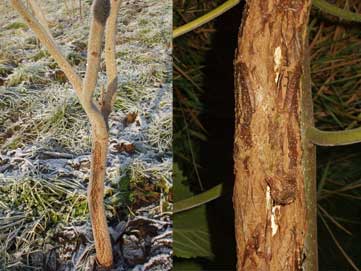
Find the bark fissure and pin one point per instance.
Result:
(269, 197)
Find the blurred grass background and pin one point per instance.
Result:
(204, 124)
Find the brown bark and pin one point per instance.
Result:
(269, 192)
(95, 199)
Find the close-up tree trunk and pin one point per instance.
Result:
(294, 85)
(270, 150)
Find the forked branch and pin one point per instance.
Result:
(103, 20)
(103, 247)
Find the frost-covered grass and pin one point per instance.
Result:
(52, 114)
(45, 141)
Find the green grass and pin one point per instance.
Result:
(40, 205)
(16, 25)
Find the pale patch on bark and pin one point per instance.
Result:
(268, 198)
(277, 57)
(274, 210)
(274, 218)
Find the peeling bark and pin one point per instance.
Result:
(269, 192)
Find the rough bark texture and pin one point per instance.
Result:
(269, 192)
(103, 245)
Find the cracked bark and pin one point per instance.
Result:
(270, 145)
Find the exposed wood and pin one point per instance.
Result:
(269, 192)
(101, 235)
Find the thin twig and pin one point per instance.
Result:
(333, 138)
(39, 15)
(107, 98)
(205, 18)
(50, 45)
(334, 221)
(338, 244)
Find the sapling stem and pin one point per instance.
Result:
(103, 20)
(333, 138)
(197, 200)
(179, 31)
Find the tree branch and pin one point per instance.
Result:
(39, 14)
(100, 12)
(49, 44)
(198, 200)
(96, 34)
(336, 11)
(179, 31)
(107, 98)
(333, 138)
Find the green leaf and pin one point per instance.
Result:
(187, 265)
(200, 199)
(182, 190)
(191, 236)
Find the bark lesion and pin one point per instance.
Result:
(243, 100)
(101, 10)
(255, 248)
(283, 189)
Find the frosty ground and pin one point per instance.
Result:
(45, 142)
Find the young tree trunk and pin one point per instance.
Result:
(102, 241)
(103, 21)
(271, 152)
